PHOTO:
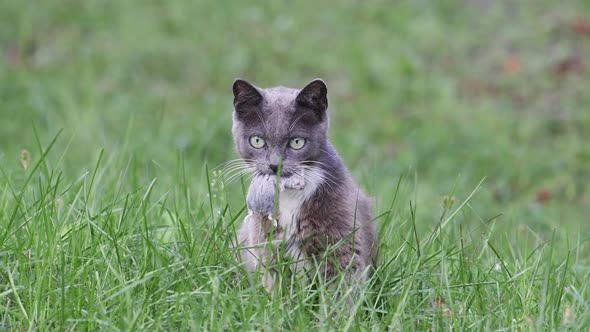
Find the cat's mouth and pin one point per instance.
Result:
(283, 175)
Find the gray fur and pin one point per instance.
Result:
(328, 219)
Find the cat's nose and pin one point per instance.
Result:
(274, 168)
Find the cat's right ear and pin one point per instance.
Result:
(245, 95)
(314, 96)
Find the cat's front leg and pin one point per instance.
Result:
(247, 243)
(254, 242)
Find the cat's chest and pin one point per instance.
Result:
(290, 202)
(290, 205)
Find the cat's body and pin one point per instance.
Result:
(325, 221)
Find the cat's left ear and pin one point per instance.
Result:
(315, 97)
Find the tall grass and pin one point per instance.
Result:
(466, 121)
(93, 253)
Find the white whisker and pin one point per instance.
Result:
(228, 168)
(319, 172)
(318, 176)
(239, 174)
(234, 168)
(233, 172)
(312, 163)
(234, 161)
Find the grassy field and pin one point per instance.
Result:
(467, 121)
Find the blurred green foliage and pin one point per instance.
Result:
(443, 93)
(440, 88)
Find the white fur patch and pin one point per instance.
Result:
(290, 202)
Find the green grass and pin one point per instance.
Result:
(467, 122)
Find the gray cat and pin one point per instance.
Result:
(323, 218)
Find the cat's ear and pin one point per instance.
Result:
(314, 96)
(245, 94)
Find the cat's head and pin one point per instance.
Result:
(280, 125)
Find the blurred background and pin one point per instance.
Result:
(442, 93)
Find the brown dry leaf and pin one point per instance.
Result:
(28, 253)
(25, 158)
(572, 64)
(580, 26)
(440, 305)
(512, 65)
(567, 315)
(478, 88)
(543, 195)
(14, 56)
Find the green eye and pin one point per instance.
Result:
(257, 142)
(297, 143)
